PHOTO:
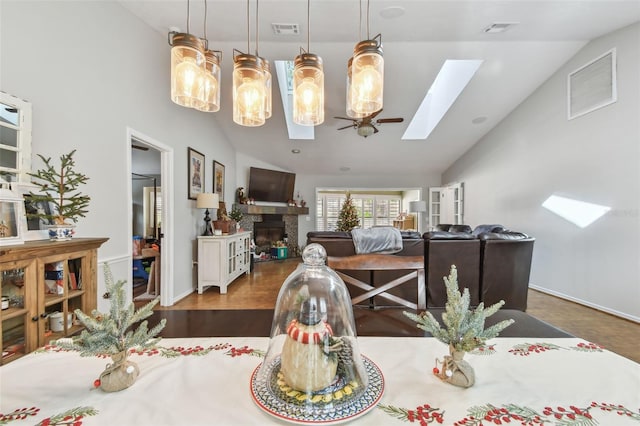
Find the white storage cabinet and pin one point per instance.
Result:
(222, 259)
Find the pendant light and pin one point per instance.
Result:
(308, 85)
(187, 68)
(367, 83)
(211, 75)
(248, 86)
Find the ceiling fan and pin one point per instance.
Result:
(366, 126)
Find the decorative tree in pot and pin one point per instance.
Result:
(113, 334)
(464, 331)
(59, 187)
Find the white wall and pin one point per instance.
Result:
(90, 70)
(536, 152)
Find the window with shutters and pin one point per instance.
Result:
(377, 208)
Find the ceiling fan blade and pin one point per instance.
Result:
(390, 120)
(374, 114)
(141, 148)
(345, 118)
(346, 127)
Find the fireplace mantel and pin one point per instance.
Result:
(254, 209)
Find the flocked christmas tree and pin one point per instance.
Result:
(113, 334)
(464, 327)
(348, 217)
(463, 331)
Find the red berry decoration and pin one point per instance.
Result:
(96, 383)
(436, 370)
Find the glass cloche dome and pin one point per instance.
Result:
(313, 369)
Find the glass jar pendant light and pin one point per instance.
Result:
(211, 75)
(211, 82)
(350, 112)
(308, 90)
(248, 90)
(367, 84)
(308, 86)
(187, 67)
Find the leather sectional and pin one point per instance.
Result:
(492, 262)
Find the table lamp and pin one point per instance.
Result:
(207, 200)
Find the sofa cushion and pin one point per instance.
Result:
(504, 235)
(442, 235)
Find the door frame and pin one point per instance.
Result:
(167, 191)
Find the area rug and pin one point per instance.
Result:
(144, 296)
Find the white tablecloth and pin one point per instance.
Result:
(550, 378)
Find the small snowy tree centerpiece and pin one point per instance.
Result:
(112, 334)
(463, 330)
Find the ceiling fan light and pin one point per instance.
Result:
(308, 90)
(367, 83)
(248, 90)
(187, 70)
(365, 129)
(267, 88)
(211, 82)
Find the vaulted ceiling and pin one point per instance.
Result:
(418, 37)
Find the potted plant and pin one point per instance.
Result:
(58, 187)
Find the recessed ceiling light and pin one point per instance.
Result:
(345, 169)
(392, 12)
(479, 120)
(295, 151)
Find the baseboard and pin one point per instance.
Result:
(179, 297)
(585, 303)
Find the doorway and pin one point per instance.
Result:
(151, 225)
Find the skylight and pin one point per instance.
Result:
(284, 71)
(580, 213)
(453, 77)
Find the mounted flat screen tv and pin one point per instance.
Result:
(271, 185)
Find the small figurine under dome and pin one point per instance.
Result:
(313, 369)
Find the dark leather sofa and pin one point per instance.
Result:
(492, 262)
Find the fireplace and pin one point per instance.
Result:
(271, 229)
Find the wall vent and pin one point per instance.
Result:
(285, 29)
(592, 86)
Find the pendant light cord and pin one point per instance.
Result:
(360, 21)
(308, 24)
(368, 37)
(188, 17)
(248, 32)
(205, 22)
(257, 11)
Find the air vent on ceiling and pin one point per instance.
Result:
(285, 29)
(499, 27)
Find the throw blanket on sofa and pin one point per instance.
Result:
(384, 240)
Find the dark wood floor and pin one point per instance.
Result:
(259, 290)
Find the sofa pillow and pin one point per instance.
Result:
(488, 228)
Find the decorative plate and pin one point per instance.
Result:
(340, 402)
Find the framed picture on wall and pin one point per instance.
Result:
(218, 179)
(196, 173)
(11, 218)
